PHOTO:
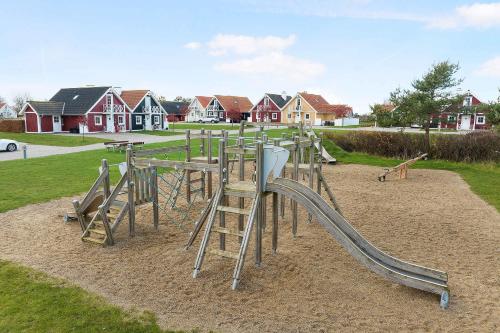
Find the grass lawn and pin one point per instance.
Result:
(161, 133)
(34, 302)
(51, 139)
(207, 126)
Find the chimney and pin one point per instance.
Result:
(283, 95)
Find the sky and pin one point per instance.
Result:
(350, 51)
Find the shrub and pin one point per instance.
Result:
(12, 125)
(472, 147)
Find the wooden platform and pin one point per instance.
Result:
(245, 189)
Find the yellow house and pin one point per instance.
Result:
(312, 109)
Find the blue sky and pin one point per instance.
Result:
(350, 51)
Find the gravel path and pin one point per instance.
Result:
(312, 284)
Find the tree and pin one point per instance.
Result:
(234, 116)
(383, 115)
(183, 99)
(20, 100)
(429, 96)
(492, 112)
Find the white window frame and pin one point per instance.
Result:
(274, 115)
(452, 118)
(289, 116)
(122, 122)
(210, 113)
(98, 120)
(482, 122)
(307, 116)
(266, 101)
(58, 119)
(109, 99)
(156, 119)
(138, 120)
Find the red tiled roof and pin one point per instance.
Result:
(133, 97)
(239, 103)
(314, 100)
(340, 110)
(204, 100)
(2, 104)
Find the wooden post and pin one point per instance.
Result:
(188, 172)
(275, 222)
(79, 215)
(223, 175)
(258, 189)
(320, 164)
(131, 192)
(301, 135)
(106, 184)
(202, 173)
(295, 176)
(209, 160)
(154, 181)
(241, 200)
(202, 142)
(311, 171)
(241, 131)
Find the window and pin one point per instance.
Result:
(298, 102)
(56, 119)
(109, 99)
(480, 120)
(121, 120)
(289, 116)
(274, 116)
(210, 113)
(157, 120)
(307, 116)
(138, 120)
(266, 101)
(452, 118)
(98, 120)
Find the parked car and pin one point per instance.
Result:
(8, 145)
(208, 120)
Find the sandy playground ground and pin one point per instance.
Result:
(312, 284)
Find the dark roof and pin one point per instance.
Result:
(278, 99)
(174, 107)
(47, 108)
(87, 97)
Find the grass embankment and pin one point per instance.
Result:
(34, 302)
(52, 139)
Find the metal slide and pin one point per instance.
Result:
(389, 267)
(324, 154)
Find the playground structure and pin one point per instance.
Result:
(401, 168)
(141, 179)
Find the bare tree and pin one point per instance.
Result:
(20, 100)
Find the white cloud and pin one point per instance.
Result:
(274, 64)
(490, 68)
(244, 45)
(477, 15)
(192, 45)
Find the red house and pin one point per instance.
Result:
(86, 109)
(269, 108)
(462, 116)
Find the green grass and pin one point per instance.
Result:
(51, 139)
(207, 126)
(161, 133)
(31, 301)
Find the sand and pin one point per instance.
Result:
(312, 284)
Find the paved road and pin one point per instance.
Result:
(41, 151)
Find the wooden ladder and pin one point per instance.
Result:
(242, 236)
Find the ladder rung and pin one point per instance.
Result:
(93, 240)
(98, 231)
(222, 230)
(196, 180)
(225, 254)
(234, 210)
(118, 203)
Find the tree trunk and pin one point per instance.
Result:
(427, 137)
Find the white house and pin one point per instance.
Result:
(197, 109)
(7, 112)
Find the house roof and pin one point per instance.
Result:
(316, 101)
(204, 100)
(133, 97)
(340, 110)
(2, 104)
(238, 103)
(47, 108)
(278, 99)
(178, 108)
(79, 100)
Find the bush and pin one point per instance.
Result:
(472, 147)
(12, 125)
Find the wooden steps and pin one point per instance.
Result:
(233, 210)
(225, 254)
(242, 189)
(227, 231)
(94, 240)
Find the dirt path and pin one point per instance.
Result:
(312, 285)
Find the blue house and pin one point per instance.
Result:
(147, 112)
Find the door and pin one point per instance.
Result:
(465, 122)
(56, 122)
(147, 120)
(110, 124)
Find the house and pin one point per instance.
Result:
(462, 116)
(85, 109)
(197, 109)
(7, 112)
(176, 110)
(269, 107)
(313, 109)
(147, 113)
(221, 105)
